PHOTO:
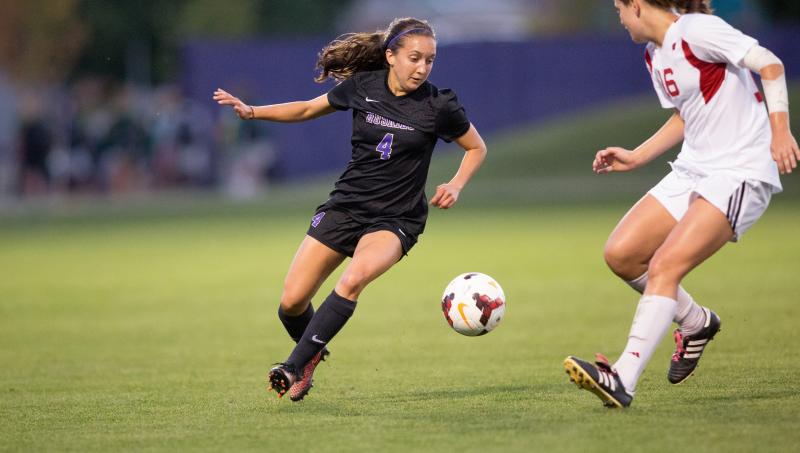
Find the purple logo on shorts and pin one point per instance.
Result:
(317, 219)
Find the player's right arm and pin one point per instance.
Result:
(784, 147)
(290, 112)
(620, 159)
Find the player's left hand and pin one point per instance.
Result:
(446, 196)
(785, 151)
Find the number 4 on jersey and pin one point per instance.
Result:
(385, 146)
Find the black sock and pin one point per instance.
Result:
(329, 319)
(296, 325)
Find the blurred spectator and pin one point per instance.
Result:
(8, 128)
(122, 139)
(35, 146)
(249, 155)
(183, 141)
(35, 142)
(123, 151)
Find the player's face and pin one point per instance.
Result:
(629, 18)
(411, 64)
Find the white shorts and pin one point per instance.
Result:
(743, 201)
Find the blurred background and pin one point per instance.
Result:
(112, 99)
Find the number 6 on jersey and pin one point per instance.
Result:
(670, 84)
(385, 146)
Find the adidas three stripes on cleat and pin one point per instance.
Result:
(599, 379)
(689, 349)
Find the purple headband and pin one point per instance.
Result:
(399, 35)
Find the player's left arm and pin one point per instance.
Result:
(784, 147)
(475, 152)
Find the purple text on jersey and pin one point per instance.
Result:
(374, 118)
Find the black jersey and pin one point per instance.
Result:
(393, 140)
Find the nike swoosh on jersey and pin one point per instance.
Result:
(370, 100)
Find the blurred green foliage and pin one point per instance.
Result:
(28, 50)
(139, 40)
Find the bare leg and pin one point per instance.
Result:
(702, 231)
(312, 265)
(637, 237)
(375, 254)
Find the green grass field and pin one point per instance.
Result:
(151, 327)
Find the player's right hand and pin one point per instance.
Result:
(785, 151)
(613, 159)
(244, 111)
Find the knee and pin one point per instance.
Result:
(624, 261)
(664, 268)
(293, 300)
(351, 284)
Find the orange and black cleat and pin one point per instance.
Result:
(300, 389)
(281, 378)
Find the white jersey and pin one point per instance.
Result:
(697, 71)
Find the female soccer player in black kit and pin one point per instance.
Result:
(377, 208)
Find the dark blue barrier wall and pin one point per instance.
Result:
(500, 84)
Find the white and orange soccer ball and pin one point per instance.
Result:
(473, 304)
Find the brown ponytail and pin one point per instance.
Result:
(682, 6)
(355, 52)
(350, 53)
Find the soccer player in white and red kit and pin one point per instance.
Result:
(721, 183)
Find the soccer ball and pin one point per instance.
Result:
(473, 304)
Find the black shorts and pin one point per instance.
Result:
(339, 231)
